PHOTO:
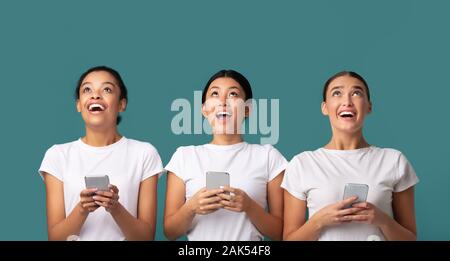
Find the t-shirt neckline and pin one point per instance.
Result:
(225, 147)
(348, 152)
(83, 145)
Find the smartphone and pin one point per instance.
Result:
(100, 182)
(216, 179)
(354, 189)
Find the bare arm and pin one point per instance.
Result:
(297, 228)
(143, 227)
(60, 227)
(403, 226)
(269, 223)
(179, 213)
(295, 225)
(178, 216)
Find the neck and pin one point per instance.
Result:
(226, 139)
(101, 137)
(347, 141)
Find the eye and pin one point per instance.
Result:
(357, 93)
(336, 93)
(214, 94)
(233, 94)
(107, 90)
(86, 90)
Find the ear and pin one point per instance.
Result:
(248, 108)
(324, 108)
(78, 105)
(123, 105)
(369, 109)
(204, 112)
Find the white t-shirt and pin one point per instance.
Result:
(250, 166)
(319, 177)
(127, 162)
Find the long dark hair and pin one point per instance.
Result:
(114, 73)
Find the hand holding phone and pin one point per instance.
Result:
(99, 182)
(94, 184)
(206, 200)
(355, 189)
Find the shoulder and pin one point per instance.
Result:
(306, 155)
(62, 149)
(143, 147)
(188, 149)
(183, 152)
(392, 156)
(388, 153)
(266, 148)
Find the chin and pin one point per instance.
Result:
(97, 123)
(220, 130)
(223, 129)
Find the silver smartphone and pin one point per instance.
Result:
(100, 182)
(216, 179)
(355, 189)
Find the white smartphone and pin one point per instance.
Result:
(355, 189)
(100, 182)
(216, 179)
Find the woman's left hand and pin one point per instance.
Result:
(107, 199)
(369, 214)
(236, 200)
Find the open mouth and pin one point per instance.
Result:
(347, 114)
(223, 114)
(96, 107)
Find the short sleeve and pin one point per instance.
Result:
(292, 181)
(406, 177)
(52, 163)
(176, 164)
(276, 162)
(152, 163)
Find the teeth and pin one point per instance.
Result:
(223, 113)
(96, 105)
(347, 113)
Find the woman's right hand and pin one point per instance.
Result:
(334, 214)
(87, 203)
(205, 201)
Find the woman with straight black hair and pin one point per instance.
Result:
(251, 207)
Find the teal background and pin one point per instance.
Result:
(166, 49)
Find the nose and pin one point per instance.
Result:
(348, 100)
(223, 101)
(95, 95)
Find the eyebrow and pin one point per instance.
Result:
(353, 87)
(216, 87)
(336, 87)
(102, 83)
